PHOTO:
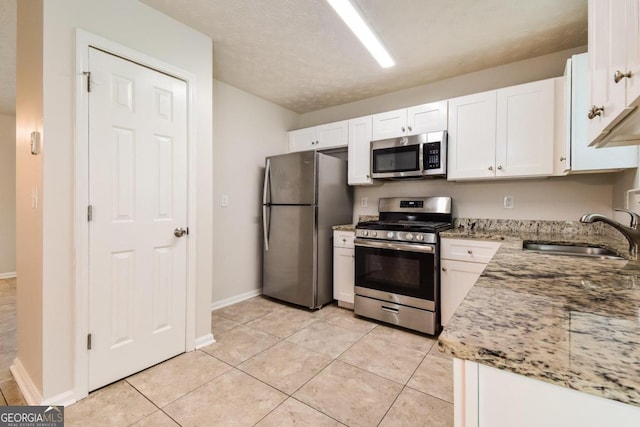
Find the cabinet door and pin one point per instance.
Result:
(583, 157)
(332, 135)
(343, 274)
(302, 139)
(607, 54)
(359, 165)
(424, 118)
(472, 136)
(633, 49)
(390, 124)
(456, 279)
(525, 131)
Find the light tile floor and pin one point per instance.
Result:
(278, 365)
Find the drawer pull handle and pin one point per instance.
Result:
(470, 252)
(444, 269)
(390, 310)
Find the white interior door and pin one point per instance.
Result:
(138, 195)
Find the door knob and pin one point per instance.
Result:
(179, 232)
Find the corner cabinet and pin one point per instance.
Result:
(331, 135)
(462, 261)
(614, 65)
(423, 118)
(343, 267)
(503, 133)
(573, 149)
(359, 165)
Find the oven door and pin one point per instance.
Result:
(402, 273)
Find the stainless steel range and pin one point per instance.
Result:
(397, 272)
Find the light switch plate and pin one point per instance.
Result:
(224, 200)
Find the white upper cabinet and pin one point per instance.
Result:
(359, 166)
(503, 133)
(423, 118)
(579, 156)
(472, 136)
(331, 135)
(525, 118)
(614, 65)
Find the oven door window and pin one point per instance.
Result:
(396, 159)
(400, 272)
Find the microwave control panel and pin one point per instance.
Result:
(431, 155)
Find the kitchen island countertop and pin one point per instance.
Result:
(567, 320)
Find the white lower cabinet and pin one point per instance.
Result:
(488, 397)
(343, 266)
(462, 261)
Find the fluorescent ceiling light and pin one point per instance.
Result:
(354, 21)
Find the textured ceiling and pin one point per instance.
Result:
(8, 56)
(300, 55)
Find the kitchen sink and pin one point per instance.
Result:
(577, 249)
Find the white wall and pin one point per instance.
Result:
(7, 195)
(246, 130)
(135, 26)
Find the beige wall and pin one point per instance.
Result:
(541, 67)
(246, 130)
(29, 235)
(135, 26)
(562, 198)
(7, 195)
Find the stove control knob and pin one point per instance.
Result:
(408, 236)
(419, 237)
(374, 233)
(365, 233)
(390, 235)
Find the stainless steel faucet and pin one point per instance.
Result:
(632, 232)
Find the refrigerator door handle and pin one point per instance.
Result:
(265, 227)
(267, 178)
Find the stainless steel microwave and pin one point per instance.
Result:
(414, 156)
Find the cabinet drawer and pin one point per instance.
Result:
(343, 239)
(468, 250)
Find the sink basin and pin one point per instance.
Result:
(578, 249)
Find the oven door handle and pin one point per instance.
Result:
(364, 243)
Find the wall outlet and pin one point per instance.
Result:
(224, 200)
(509, 202)
(363, 202)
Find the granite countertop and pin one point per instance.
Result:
(345, 227)
(570, 321)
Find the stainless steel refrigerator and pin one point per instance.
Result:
(305, 194)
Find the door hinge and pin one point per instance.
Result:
(88, 341)
(88, 74)
(89, 213)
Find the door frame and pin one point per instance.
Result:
(85, 40)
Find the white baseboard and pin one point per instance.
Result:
(27, 387)
(234, 299)
(31, 393)
(204, 341)
(65, 399)
(8, 275)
